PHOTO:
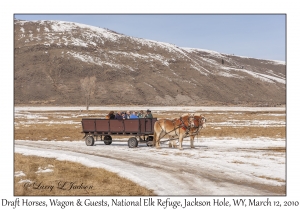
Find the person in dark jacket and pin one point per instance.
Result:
(118, 116)
(148, 115)
(124, 116)
(110, 115)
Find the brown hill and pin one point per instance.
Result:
(51, 59)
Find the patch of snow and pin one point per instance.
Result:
(246, 123)
(78, 42)
(263, 77)
(198, 69)
(214, 53)
(44, 170)
(25, 181)
(150, 85)
(96, 60)
(19, 173)
(226, 74)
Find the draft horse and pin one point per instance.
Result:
(200, 123)
(181, 127)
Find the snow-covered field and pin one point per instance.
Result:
(217, 166)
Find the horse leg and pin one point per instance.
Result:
(158, 136)
(192, 141)
(172, 143)
(180, 141)
(161, 135)
(154, 139)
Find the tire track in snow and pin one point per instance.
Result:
(154, 170)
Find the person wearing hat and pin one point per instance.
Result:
(148, 115)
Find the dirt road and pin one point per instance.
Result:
(214, 167)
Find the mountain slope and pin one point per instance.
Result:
(51, 58)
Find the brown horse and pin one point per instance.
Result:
(199, 124)
(181, 127)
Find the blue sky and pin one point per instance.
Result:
(253, 35)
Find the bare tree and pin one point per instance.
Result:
(88, 85)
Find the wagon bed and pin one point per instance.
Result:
(140, 129)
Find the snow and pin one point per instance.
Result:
(278, 62)
(19, 173)
(263, 77)
(226, 74)
(25, 181)
(242, 159)
(44, 170)
(215, 53)
(252, 123)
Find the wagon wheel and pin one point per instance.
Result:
(107, 140)
(89, 141)
(149, 138)
(132, 142)
(149, 141)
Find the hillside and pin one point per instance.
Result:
(52, 57)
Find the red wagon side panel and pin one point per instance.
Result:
(132, 126)
(137, 126)
(88, 125)
(116, 126)
(102, 125)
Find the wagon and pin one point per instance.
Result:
(139, 130)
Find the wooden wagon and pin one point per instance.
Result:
(139, 130)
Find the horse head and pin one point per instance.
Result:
(192, 121)
(202, 121)
(187, 121)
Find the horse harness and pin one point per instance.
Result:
(181, 125)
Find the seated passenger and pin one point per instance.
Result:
(141, 114)
(118, 116)
(110, 115)
(148, 115)
(124, 117)
(133, 116)
(127, 115)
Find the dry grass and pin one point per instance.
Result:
(66, 125)
(96, 181)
